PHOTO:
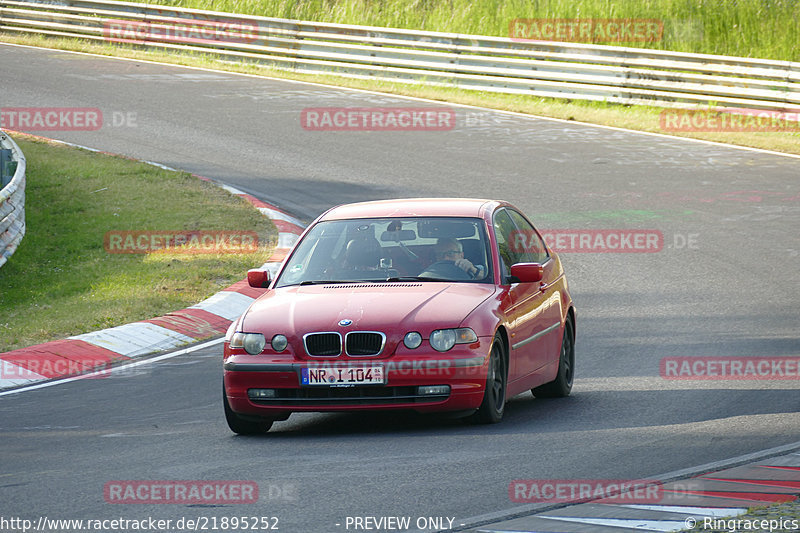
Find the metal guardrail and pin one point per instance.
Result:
(549, 69)
(12, 197)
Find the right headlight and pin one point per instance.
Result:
(443, 339)
(253, 343)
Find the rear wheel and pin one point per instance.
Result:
(494, 398)
(241, 425)
(562, 385)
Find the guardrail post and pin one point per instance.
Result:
(6, 170)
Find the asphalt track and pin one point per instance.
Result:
(733, 293)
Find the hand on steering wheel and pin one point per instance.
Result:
(467, 266)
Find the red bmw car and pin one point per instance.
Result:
(424, 304)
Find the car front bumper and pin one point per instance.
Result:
(466, 377)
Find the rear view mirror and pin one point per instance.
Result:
(527, 272)
(399, 235)
(259, 279)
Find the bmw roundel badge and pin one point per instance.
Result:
(345, 322)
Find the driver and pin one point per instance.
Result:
(449, 249)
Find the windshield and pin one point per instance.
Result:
(394, 249)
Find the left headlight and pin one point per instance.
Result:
(253, 343)
(444, 339)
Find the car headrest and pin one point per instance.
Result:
(363, 252)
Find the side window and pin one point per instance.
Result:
(505, 230)
(527, 242)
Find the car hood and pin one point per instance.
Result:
(422, 307)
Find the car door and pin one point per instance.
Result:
(532, 316)
(535, 251)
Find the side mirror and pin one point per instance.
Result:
(527, 272)
(259, 279)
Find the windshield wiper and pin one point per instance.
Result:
(330, 281)
(378, 280)
(413, 278)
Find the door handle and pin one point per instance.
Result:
(543, 287)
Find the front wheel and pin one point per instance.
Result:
(494, 398)
(239, 425)
(562, 385)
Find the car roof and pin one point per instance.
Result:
(414, 207)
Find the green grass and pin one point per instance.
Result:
(62, 282)
(748, 28)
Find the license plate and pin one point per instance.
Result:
(343, 375)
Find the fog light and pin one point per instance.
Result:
(412, 340)
(279, 343)
(433, 390)
(262, 393)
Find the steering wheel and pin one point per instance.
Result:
(445, 270)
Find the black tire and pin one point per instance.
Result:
(562, 385)
(494, 398)
(240, 425)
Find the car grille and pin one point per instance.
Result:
(371, 395)
(357, 343)
(323, 344)
(364, 343)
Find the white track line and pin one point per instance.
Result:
(135, 339)
(227, 304)
(120, 368)
(718, 512)
(630, 523)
